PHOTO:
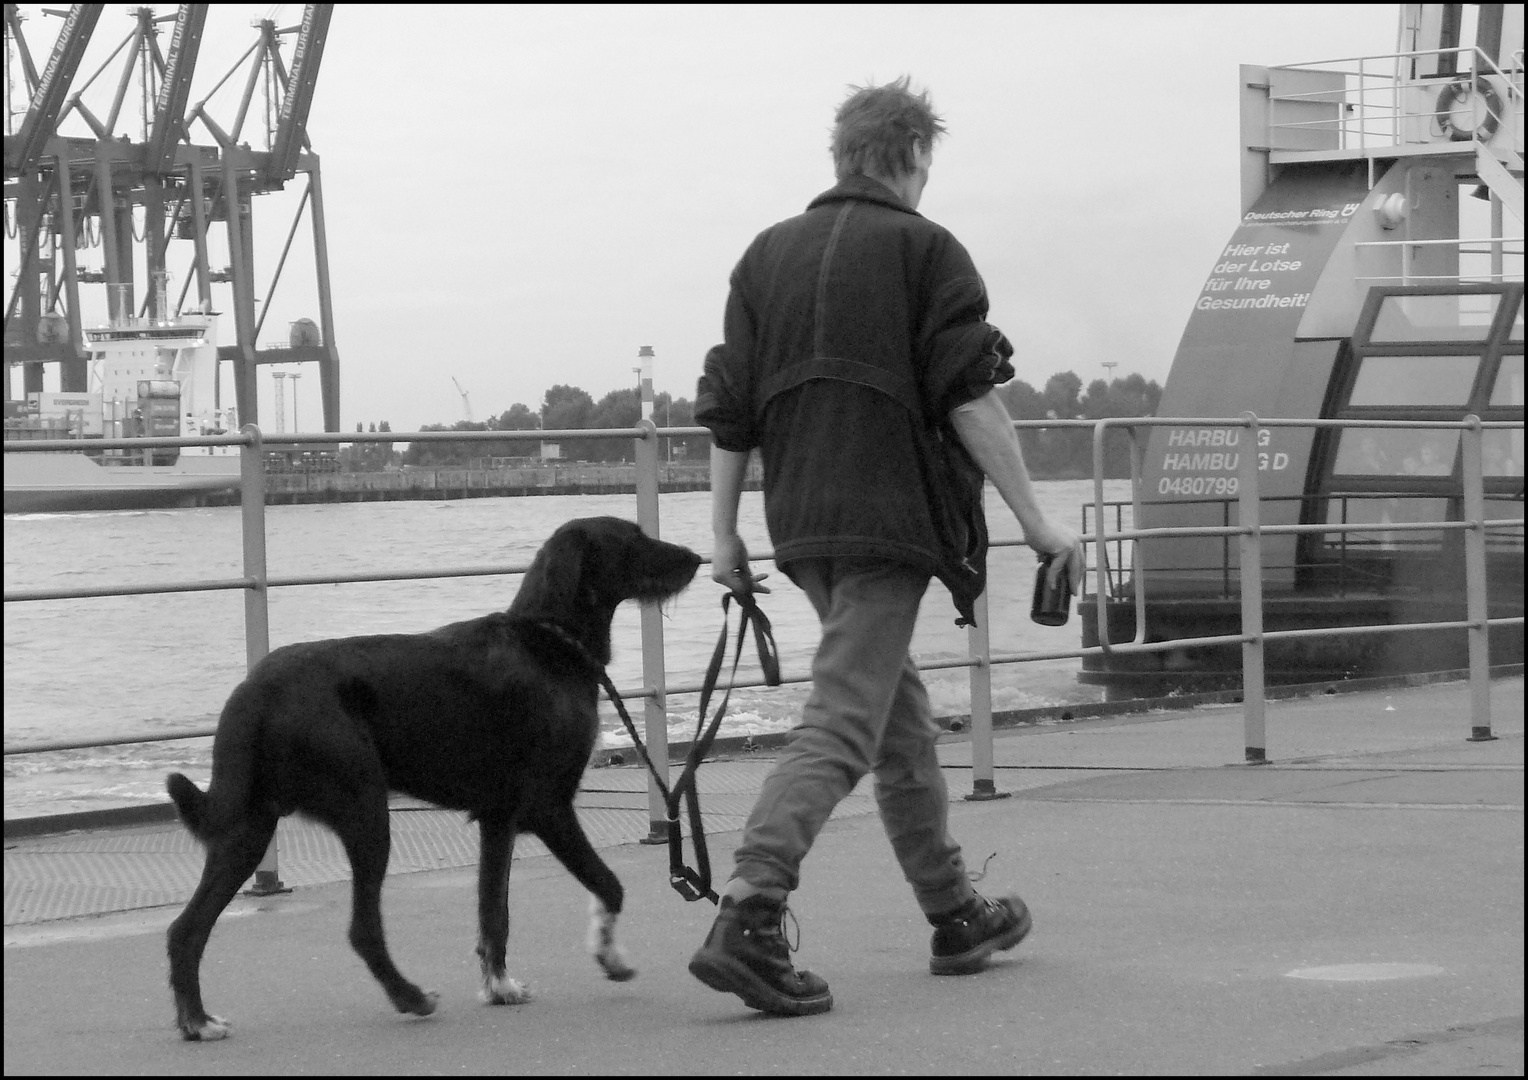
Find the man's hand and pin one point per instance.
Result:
(729, 566)
(1049, 538)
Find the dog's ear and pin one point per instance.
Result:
(553, 582)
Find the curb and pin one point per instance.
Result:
(956, 730)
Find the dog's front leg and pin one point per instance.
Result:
(602, 945)
(564, 837)
(498, 843)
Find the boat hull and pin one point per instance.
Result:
(66, 482)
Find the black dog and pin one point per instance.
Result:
(495, 716)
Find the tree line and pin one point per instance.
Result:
(1049, 454)
(565, 408)
(1066, 454)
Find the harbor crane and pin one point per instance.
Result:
(80, 188)
(466, 402)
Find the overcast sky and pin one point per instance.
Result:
(523, 196)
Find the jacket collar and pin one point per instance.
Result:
(865, 189)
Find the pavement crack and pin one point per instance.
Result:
(1363, 1055)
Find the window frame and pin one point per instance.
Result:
(1327, 486)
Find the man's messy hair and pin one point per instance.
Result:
(878, 128)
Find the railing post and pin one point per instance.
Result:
(655, 704)
(983, 785)
(1254, 737)
(257, 622)
(1137, 555)
(1476, 608)
(1102, 585)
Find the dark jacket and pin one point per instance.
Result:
(852, 331)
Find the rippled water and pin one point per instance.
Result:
(125, 666)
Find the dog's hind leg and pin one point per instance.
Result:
(564, 837)
(360, 819)
(231, 859)
(498, 845)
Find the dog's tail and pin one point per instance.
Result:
(229, 796)
(191, 803)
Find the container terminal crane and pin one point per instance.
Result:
(102, 196)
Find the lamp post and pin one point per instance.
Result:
(296, 417)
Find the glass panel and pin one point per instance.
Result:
(1515, 329)
(1508, 390)
(1414, 380)
(1362, 510)
(1396, 452)
(1457, 317)
(1502, 453)
(1505, 538)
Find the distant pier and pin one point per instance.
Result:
(455, 482)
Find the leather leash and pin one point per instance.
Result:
(696, 883)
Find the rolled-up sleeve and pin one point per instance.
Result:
(973, 362)
(963, 355)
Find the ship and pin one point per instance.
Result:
(1375, 273)
(148, 378)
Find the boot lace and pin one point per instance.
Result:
(974, 878)
(785, 912)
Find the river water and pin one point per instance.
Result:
(136, 665)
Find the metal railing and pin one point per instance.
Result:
(1495, 248)
(1345, 568)
(1372, 102)
(1250, 532)
(256, 581)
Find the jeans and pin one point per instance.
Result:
(868, 712)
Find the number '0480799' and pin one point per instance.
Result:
(1198, 485)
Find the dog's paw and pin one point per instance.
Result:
(211, 1029)
(614, 964)
(602, 945)
(417, 1002)
(504, 991)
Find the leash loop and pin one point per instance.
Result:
(694, 884)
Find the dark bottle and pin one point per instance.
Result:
(1051, 607)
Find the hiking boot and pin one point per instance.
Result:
(967, 936)
(746, 953)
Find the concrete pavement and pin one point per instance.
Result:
(1353, 908)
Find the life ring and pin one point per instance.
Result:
(1457, 93)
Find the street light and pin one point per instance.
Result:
(296, 420)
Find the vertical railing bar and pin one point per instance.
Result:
(1100, 548)
(1476, 606)
(1137, 559)
(257, 615)
(1225, 551)
(1347, 506)
(1254, 737)
(1121, 573)
(983, 784)
(655, 705)
(1364, 110)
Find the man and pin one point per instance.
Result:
(858, 361)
